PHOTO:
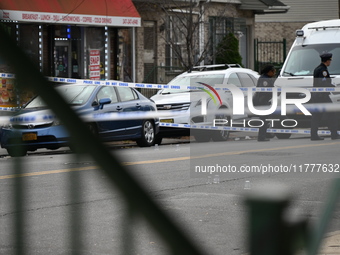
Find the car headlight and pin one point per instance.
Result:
(7, 126)
(56, 122)
(48, 118)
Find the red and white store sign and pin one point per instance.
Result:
(94, 65)
(46, 17)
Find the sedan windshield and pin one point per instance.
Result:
(196, 80)
(304, 59)
(73, 95)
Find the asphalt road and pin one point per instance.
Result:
(70, 207)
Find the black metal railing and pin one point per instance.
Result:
(269, 52)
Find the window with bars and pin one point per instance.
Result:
(182, 38)
(219, 27)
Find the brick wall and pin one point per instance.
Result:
(277, 31)
(154, 13)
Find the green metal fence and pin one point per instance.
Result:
(269, 52)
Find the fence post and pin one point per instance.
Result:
(269, 232)
(256, 57)
(284, 49)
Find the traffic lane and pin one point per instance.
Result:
(111, 145)
(208, 206)
(175, 163)
(167, 160)
(42, 163)
(226, 198)
(215, 214)
(54, 205)
(234, 136)
(48, 205)
(298, 154)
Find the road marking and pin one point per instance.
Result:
(226, 154)
(47, 172)
(163, 160)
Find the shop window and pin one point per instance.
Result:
(95, 53)
(125, 54)
(29, 41)
(10, 29)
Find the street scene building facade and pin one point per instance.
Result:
(272, 29)
(134, 41)
(176, 35)
(72, 39)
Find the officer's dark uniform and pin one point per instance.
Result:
(263, 98)
(323, 79)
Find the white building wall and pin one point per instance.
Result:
(304, 11)
(276, 27)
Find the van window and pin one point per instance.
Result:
(304, 59)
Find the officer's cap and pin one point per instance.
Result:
(326, 56)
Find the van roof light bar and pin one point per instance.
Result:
(323, 27)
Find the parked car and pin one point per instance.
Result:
(35, 127)
(185, 104)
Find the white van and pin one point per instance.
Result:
(304, 56)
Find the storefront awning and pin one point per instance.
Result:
(118, 13)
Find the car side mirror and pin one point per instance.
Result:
(104, 101)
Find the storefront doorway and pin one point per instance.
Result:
(62, 59)
(67, 52)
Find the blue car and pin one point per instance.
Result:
(35, 127)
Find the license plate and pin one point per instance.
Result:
(167, 120)
(29, 137)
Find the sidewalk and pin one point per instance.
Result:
(331, 244)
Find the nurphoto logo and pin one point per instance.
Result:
(238, 105)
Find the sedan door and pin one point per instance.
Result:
(234, 80)
(109, 129)
(131, 104)
(247, 81)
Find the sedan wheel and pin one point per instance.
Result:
(221, 135)
(148, 134)
(283, 135)
(201, 136)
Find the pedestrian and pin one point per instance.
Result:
(323, 79)
(264, 98)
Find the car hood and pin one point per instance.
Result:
(183, 97)
(33, 116)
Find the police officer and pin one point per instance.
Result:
(323, 79)
(263, 98)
